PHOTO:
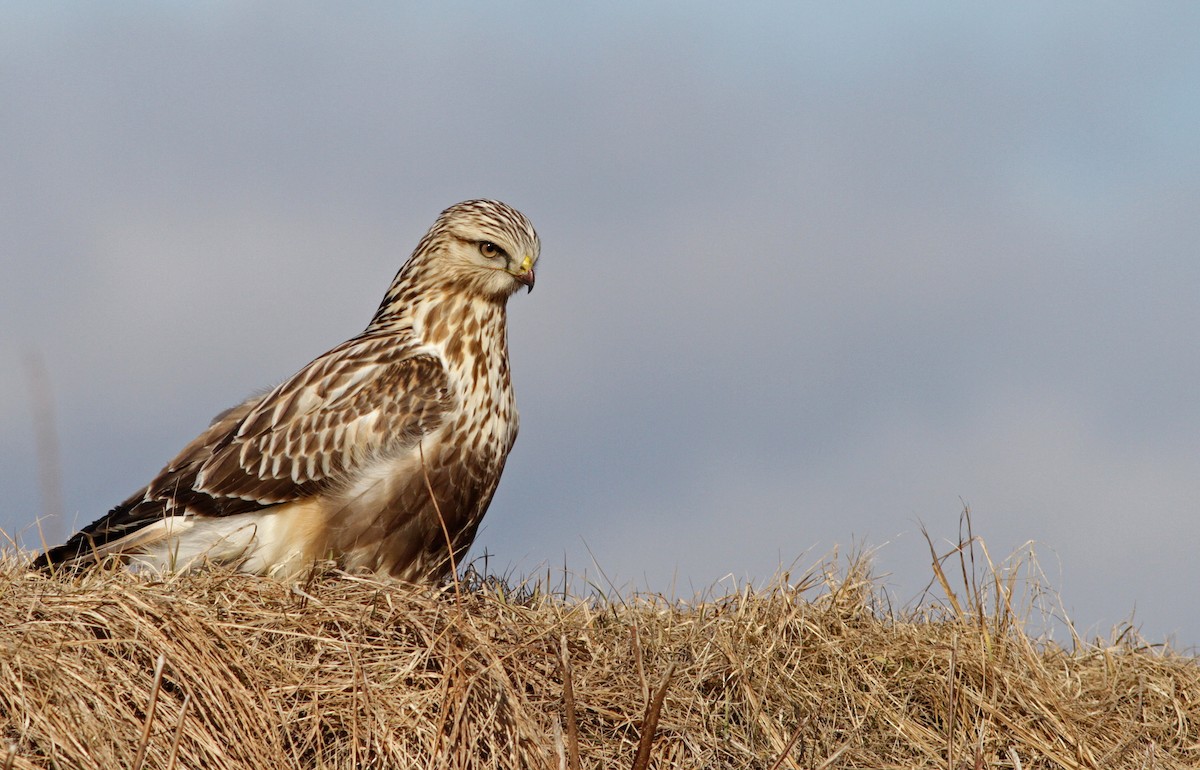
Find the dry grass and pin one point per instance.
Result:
(217, 670)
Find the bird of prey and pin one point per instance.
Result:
(382, 454)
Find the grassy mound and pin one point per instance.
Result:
(218, 670)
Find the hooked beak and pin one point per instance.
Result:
(525, 276)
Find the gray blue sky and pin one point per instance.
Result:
(812, 275)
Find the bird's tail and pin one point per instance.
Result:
(93, 543)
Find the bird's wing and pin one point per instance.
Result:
(359, 400)
(366, 397)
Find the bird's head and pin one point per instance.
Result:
(480, 249)
(484, 246)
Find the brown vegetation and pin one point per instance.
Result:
(218, 670)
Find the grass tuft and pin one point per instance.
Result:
(214, 669)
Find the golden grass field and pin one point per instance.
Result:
(219, 670)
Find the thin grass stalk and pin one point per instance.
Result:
(179, 724)
(149, 723)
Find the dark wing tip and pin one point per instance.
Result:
(81, 549)
(71, 556)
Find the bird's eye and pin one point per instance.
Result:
(490, 250)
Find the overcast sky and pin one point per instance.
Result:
(811, 275)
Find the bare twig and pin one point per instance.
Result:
(569, 700)
(650, 723)
(783, 755)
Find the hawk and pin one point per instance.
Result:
(383, 453)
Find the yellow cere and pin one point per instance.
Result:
(526, 264)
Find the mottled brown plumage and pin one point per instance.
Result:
(370, 455)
